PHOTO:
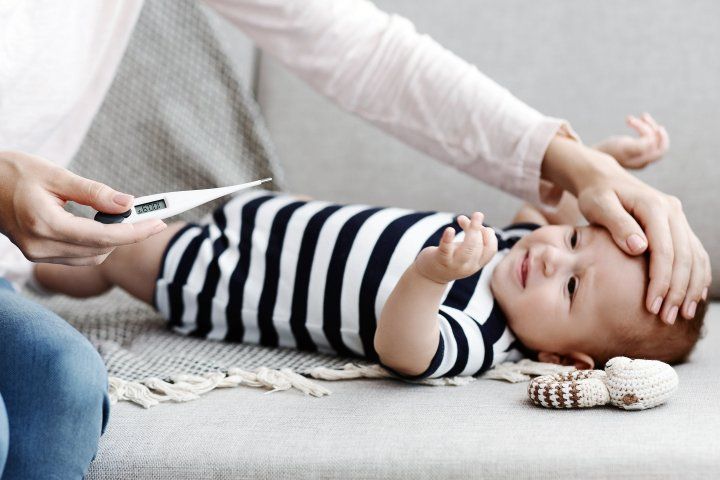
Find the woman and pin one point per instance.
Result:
(61, 59)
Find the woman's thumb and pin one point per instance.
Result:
(93, 194)
(623, 227)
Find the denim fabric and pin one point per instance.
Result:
(54, 403)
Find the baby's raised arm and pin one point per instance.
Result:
(407, 333)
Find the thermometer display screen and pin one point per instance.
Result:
(150, 207)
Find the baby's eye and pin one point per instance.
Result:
(573, 238)
(572, 285)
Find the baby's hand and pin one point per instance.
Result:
(638, 152)
(454, 260)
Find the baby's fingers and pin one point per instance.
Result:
(474, 222)
(490, 239)
(491, 244)
(647, 118)
(473, 238)
(463, 221)
(661, 135)
(641, 126)
(664, 143)
(446, 242)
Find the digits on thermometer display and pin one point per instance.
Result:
(150, 207)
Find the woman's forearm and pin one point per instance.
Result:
(379, 67)
(572, 166)
(406, 337)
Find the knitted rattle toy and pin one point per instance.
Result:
(625, 383)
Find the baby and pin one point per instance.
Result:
(398, 286)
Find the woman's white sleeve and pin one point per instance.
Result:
(377, 66)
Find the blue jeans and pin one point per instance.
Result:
(54, 403)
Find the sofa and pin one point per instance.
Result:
(591, 62)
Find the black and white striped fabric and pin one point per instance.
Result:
(271, 269)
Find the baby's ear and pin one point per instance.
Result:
(581, 361)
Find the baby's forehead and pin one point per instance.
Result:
(601, 243)
(620, 280)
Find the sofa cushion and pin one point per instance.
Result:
(388, 429)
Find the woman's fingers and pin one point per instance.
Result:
(697, 280)
(679, 265)
(85, 232)
(99, 196)
(662, 256)
(607, 210)
(34, 219)
(681, 269)
(78, 261)
(52, 251)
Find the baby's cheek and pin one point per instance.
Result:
(533, 322)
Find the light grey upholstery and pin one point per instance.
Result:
(591, 62)
(386, 429)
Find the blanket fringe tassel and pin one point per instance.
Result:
(183, 388)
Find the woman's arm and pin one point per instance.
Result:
(406, 338)
(632, 152)
(377, 66)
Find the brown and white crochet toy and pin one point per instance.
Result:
(625, 383)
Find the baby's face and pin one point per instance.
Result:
(567, 289)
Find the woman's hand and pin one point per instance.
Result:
(454, 260)
(33, 192)
(638, 152)
(638, 217)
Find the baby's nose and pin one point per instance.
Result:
(550, 260)
(548, 267)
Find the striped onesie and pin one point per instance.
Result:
(268, 268)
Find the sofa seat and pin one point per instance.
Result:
(388, 429)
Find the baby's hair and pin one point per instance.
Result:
(644, 335)
(649, 337)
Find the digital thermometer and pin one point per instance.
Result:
(164, 205)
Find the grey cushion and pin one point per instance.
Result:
(591, 62)
(387, 429)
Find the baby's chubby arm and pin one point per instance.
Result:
(408, 330)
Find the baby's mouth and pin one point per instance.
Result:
(524, 269)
